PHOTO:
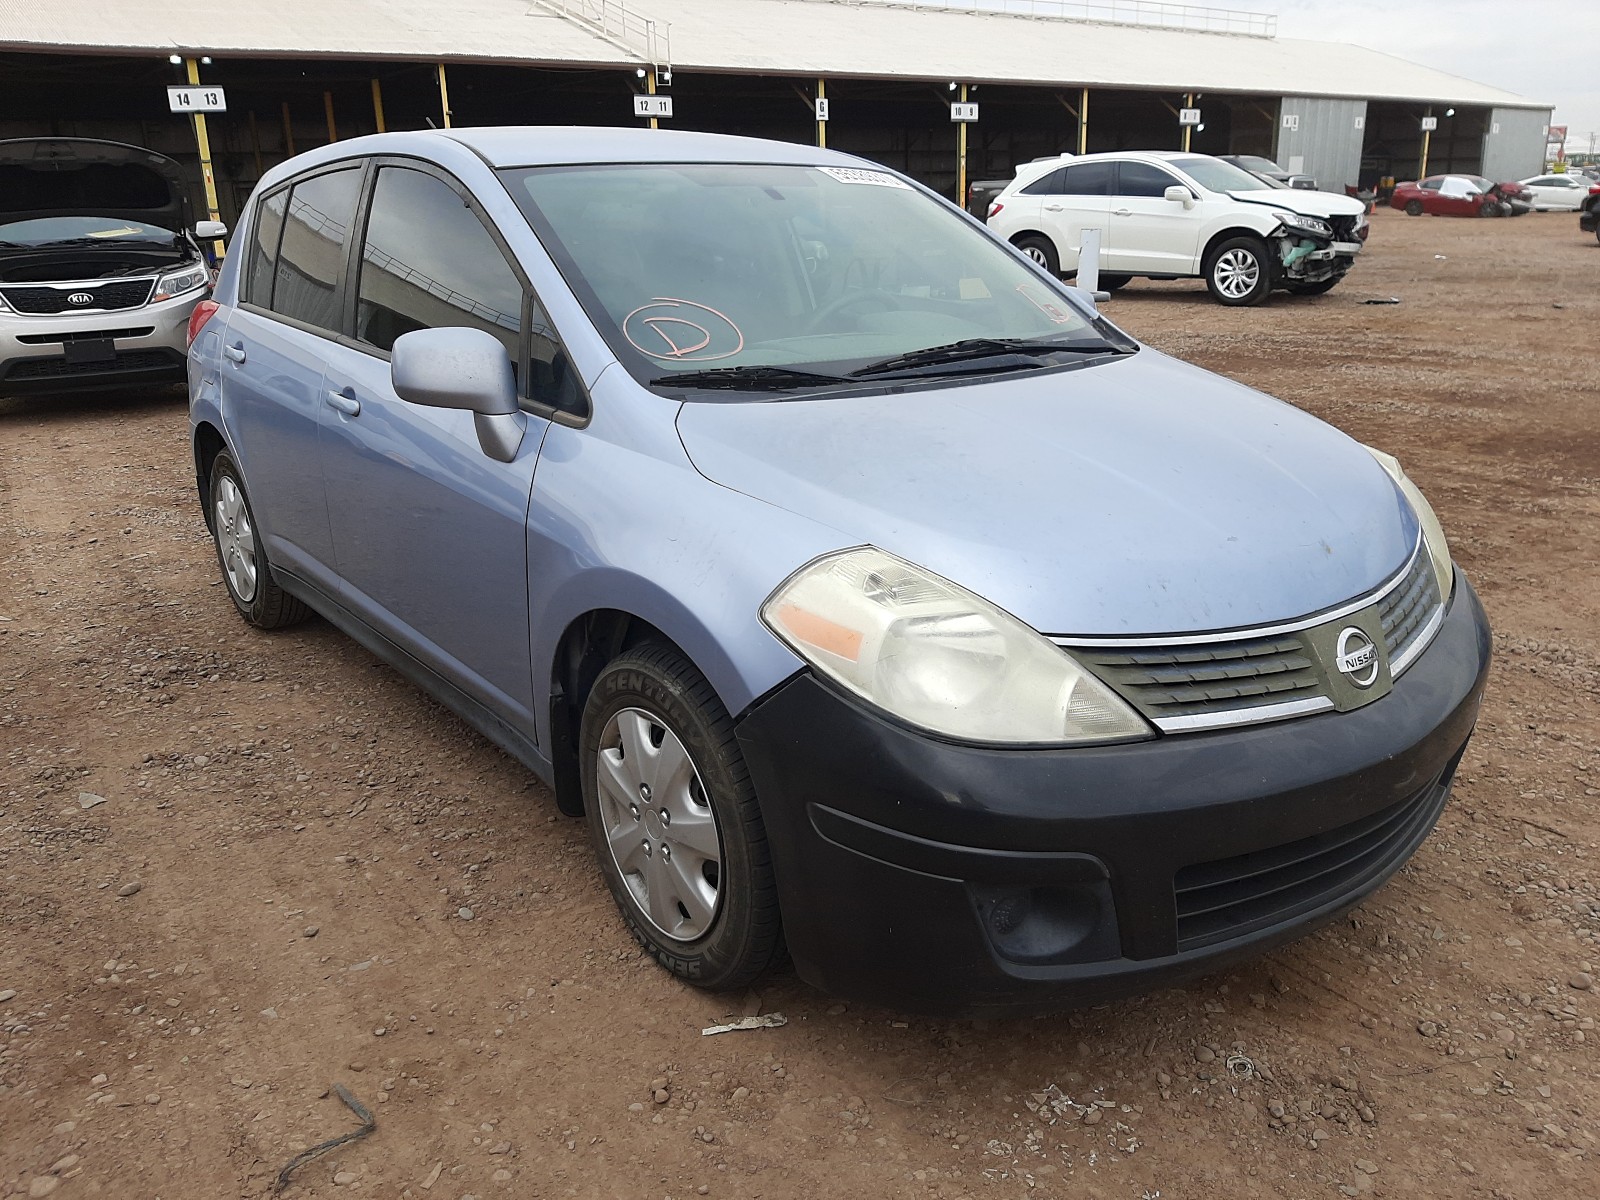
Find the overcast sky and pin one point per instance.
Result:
(1547, 50)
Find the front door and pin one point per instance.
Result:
(1151, 235)
(430, 533)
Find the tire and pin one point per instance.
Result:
(1110, 283)
(1042, 250)
(1238, 273)
(1320, 288)
(1413, 208)
(1490, 208)
(710, 914)
(246, 573)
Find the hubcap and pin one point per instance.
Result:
(1038, 256)
(236, 539)
(659, 827)
(1237, 272)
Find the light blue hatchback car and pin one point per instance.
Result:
(876, 600)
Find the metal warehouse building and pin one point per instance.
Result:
(1046, 76)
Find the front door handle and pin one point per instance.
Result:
(234, 352)
(1123, 212)
(344, 402)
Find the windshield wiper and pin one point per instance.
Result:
(972, 349)
(749, 379)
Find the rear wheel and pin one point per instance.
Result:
(1042, 250)
(242, 554)
(1413, 208)
(675, 822)
(1238, 273)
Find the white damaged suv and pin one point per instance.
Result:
(1173, 215)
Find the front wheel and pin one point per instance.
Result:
(1042, 250)
(1413, 208)
(675, 822)
(1489, 208)
(1310, 289)
(1110, 283)
(1238, 273)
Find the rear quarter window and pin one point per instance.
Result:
(263, 261)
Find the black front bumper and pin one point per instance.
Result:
(1589, 219)
(129, 369)
(967, 880)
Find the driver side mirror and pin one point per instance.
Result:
(462, 368)
(210, 231)
(1179, 194)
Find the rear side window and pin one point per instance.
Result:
(264, 248)
(1141, 179)
(1047, 185)
(316, 231)
(428, 262)
(1087, 179)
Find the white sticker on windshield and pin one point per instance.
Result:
(871, 178)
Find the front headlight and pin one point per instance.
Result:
(940, 658)
(1304, 224)
(1432, 531)
(179, 282)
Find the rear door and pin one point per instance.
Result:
(274, 346)
(1071, 200)
(430, 533)
(1151, 235)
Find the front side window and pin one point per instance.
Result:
(316, 230)
(1141, 179)
(694, 267)
(429, 263)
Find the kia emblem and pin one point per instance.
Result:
(81, 298)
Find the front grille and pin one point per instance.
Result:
(1181, 681)
(48, 301)
(1233, 897)
(56, 368)
(1227, 680)
(1408, 610)
(1344, 228)
(83, 335)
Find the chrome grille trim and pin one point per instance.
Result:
(1221, 673)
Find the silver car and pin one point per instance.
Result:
(99, 266)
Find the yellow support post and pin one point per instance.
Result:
(444, 96)
(650, 87)
(1422, 167)
(1083, 122)
(961, 156)
(1188, 102)
(327, 109)
(203, 139)
(822, 126)
(377, 106)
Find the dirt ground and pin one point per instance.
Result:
(303, 835)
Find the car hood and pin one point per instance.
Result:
(1306, 203)
(1134, 496)
(79, 177)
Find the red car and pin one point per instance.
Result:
(1460, 196)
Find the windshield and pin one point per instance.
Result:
(686, 268)
(54, 231)
(1217, 176)
(1254, 162)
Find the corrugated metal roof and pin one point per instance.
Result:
(800, 37)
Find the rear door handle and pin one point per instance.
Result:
(235, 353)
(344, 402)
(1123, 212)
(1054, 207)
